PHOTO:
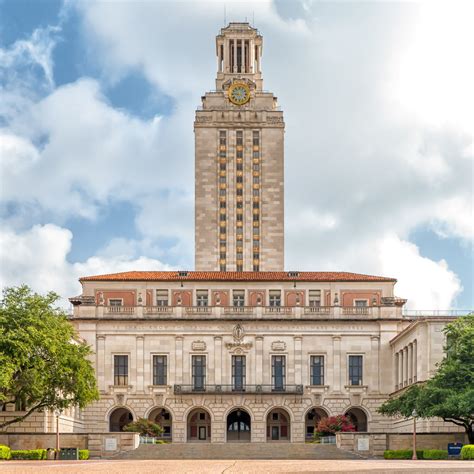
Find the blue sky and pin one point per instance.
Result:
(96, 140)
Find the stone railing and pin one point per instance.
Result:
(232, 389)
(119, 309)
(315, 313)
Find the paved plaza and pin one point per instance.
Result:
(251, 466)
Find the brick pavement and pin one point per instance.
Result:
(240, 466)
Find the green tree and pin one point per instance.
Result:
(450, 393)
(144, 427)
(43, 363)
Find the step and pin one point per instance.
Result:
(237, 451)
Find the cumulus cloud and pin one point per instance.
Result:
(38, 257)
(370, 153)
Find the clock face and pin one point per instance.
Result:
(239, 93)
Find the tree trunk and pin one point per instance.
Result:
(470, 434)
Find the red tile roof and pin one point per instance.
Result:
(236, 276)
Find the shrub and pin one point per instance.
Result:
(402, 454)
(83, 454)
(4, 452)
(332, 424)
(144, 427)
(435, 454)
(467, 451)
(32, 454)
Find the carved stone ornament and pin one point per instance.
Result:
(198, 346)
(120, 398)
(234, 346)
(278, 346)
(238, 332)
(101, 298)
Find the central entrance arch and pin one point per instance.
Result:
(199, 425)
(238, 426)
(278, 425)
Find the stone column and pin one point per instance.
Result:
(235, 56)
(374, 357)
(101, 363)
(297, 359)
(395, 370)
(405, 366)
(415, 361)
(259, 360)
(410, 363)
(140, 383)
(252, 56)
(218, 360)
(336, 349)
(178, 356)
(400, 369)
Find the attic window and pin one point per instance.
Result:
(183, 273)
(293, 274)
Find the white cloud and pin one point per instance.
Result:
(425, 283)
(38, 257)
(364, 157)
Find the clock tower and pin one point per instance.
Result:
(239, 130)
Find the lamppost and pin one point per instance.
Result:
(57, 413)
(414, 414)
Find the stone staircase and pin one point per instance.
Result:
(238, 451)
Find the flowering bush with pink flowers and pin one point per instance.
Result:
(333, 424)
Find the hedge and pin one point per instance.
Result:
(467, 451)
(402, 454)
(4, 452)
(435, 454)
(83, 454)
(32, 454)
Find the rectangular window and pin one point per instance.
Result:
(240, 255)
(256, 179)
(240, 179)
(275, 298)
(159, 369)
(238, 372)
(222, 217)
(256, 268)
(256, 167)
(222, 268)
(256, 205)
(256, 138)
(239, 154)
(222, 255)
(222, 137)
(222, 192)
(355, 370)
(222, 166)
(240, 192)
(239, 138)
(115, 302)
(240, 205)
(238, 297)
(161, 297)
(317, 370)
(315, 297)
(278, 373)
(222, 179)
(256, 154)
(239, 231)
(199, 372)
(223, 204)
(240, 268)
(256, 217)
(202, 297)
(120, 369)
(360, 303)
(255, 192)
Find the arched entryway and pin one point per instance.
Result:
(313, 417)
(238, 426)
(162, 417)
(358, 418)
(199, 425)
(119, 418)
(278, 425)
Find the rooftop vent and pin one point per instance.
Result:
(183, 273)
(293, 274)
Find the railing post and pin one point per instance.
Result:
(100, 311)
(139, 311)
(337, 312)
